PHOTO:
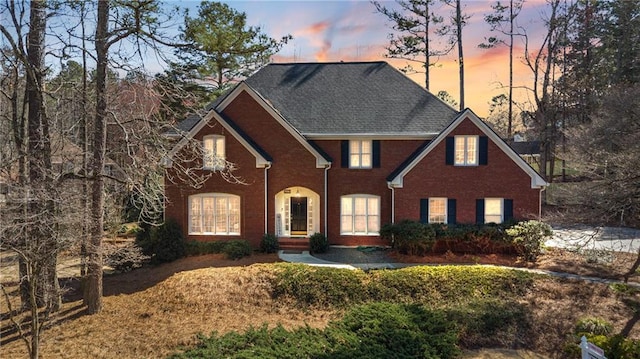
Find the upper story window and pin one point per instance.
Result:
(359, 215)
(214, 152)
(466, 150)
(360, 153)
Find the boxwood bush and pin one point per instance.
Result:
(318, 243)
(162, 244)
(269, 243)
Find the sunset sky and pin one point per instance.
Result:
(326, 31)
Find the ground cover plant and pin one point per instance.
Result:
(375, 330)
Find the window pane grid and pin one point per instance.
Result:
(217, 214)
(213, 152)
(437, 210)
(360, 215)
(466, 150)
(360, 154)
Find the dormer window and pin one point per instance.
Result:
(360, 153)
(466, 150)
(214, 152)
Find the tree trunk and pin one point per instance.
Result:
(84, 139)
(427, 55)
(460, 55)
(93, 289)
(510, 119)
(39, 200)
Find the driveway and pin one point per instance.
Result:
(618, 239)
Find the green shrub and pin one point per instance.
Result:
(318, 243)
(377, 330)
(319, 285)
(409, 237)
(529, 238)
(195, 248)
(269, 243)
(237, 249)
(389, 330)
(164, 243)
(421, 284)
(594, 326)
(614, 346)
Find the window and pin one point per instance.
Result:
(360, 214)
(466, 150)
(493, 210)
(437, 210)
(214, 152)
(214, 213)
(360, 153)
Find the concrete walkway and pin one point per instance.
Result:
(617, 239)
(306, 258)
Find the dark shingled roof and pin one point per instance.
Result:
(526, 147)
(187, 124)
(350, 98)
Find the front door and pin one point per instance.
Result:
(298, 215)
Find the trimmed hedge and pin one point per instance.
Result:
(334, 287)
(233, 249)
(416, 238)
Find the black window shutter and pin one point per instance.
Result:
(508, 209)
(483, 157)
(449, 141)
(345, 154)
(376, 153)
(424, 210)
(480, 211)
(451, 211)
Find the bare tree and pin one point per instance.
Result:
(504, 24)
(542, 65)
(453, 29)
(412, 42)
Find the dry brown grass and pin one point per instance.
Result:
(150, 312)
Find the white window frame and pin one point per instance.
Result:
(467, 152)
(214, 152)
(434, 217)
(352, 217)
(357, 156)
(232, 228)
(490, 217)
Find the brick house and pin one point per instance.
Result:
(342, 149)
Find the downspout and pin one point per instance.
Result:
(266, 199)
(393, 203)
(326, 188)
(542, 189)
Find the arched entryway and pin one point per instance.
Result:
(297, 212)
